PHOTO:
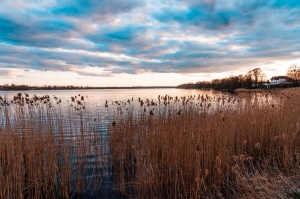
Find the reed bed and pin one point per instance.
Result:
(44, 154)
(244, 146)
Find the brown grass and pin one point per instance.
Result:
(192, 151)
(43, 154)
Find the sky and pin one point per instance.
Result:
(144, 42)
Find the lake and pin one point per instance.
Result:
(95, 99)
(98, 97)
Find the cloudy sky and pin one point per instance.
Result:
(144, 42)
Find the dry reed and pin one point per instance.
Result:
(204, 147)
(44, 154)
(244, 146)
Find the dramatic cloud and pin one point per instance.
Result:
(139, 36)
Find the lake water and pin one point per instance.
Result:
(98, 97)
(104, 105)
(107, 102)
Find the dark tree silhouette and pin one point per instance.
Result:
(294, 73)
(253, 77)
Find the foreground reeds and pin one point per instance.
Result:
(243, 146)
(247, 147)
(42, 153)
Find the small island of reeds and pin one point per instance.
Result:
(245, 145)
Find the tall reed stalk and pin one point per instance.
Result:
(44, 154)
(192, 151)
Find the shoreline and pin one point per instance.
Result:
(245, 90)
(89, 88)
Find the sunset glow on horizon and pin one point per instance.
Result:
(144, 42)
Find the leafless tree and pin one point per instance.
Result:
(256, 75)
(294, 72)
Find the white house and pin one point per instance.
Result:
(281, 80)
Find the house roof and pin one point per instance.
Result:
(288, 79)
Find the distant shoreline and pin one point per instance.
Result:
(82, 88)
(244, 90)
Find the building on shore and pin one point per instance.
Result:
(281, 80)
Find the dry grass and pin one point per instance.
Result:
(42, 153)
(188, 150)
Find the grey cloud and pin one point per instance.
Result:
(94, 74)
(76, 34)
(4, 73)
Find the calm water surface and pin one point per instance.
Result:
(117, 99)
(98, 97)
(95, 99)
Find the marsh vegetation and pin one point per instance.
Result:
(246, 147)
(44, 154)
(196, 146)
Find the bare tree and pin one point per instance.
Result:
(256, 75)
(262, 78)
(294, 73)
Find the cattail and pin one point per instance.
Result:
(151, 112)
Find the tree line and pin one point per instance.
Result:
(8, 87)
(27, 87)
(253, 79)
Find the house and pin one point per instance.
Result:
(281, 80)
